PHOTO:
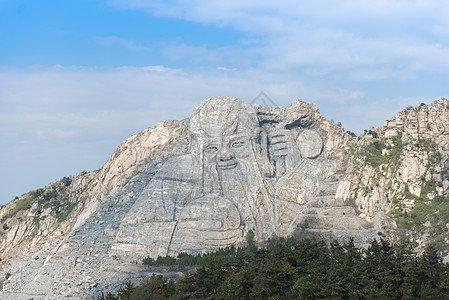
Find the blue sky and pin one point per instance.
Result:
(78, 77)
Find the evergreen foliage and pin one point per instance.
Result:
(285, 269)
(184, 259)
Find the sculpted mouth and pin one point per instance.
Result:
(227, 165)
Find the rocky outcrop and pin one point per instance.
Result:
(47, 213)
(37, 226)
(397, 175)
(202, 183)
(138, 150)
(58, 209)
(241, 174)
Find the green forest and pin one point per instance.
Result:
(286, 269)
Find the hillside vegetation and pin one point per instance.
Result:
(285, 269)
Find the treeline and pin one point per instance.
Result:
(305, 270)
(224, 255)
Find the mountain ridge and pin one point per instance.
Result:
(312, 177)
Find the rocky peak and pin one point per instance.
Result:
(424, 120)
(397, 174)
(203, 183)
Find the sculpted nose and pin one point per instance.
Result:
(226, 155)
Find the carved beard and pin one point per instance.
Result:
(238, 182)
(244, 186)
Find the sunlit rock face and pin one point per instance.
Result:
(249, 168)
(185, 186)
(202, 183)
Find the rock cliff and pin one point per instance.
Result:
(397, 175)
(202, 183)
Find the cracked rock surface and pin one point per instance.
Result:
(193, 186)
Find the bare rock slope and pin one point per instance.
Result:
(202, 183)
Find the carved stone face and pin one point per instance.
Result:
(224, 134)
(227, 151)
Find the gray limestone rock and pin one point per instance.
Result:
(238, 176)
(193, 186)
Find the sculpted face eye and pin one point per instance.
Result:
(211, 149)
(237, 144)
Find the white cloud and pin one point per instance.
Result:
(57, 121)
(159, 69)
(351, 36)
(226, 69)
(265, 17)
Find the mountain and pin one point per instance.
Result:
(203, 183)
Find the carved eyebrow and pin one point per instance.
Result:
(234, 137)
